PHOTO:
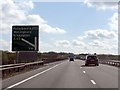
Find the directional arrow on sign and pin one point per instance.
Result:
(34, 45)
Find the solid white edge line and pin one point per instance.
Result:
(32, 76)
(84, 72)
(93, 82)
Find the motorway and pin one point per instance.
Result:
(65, 74)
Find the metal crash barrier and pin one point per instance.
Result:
(5, 70)
(110, 62)
(11, 68)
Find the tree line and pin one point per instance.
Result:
(7, 57)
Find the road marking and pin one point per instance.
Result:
(80, 67)
(33, 76)
(84, 72)
(93, 82)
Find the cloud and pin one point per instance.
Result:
(80, 38)
(5, 45)
(78, 42)
(102, 5)
(43, 26)
(100, 34)
(27, 4)
(97, 43)
(45, 46)
(114, 22)
(35, 19)
(17, 13)
(48, 29)
(10, 14)
(103, 40)
(62, 43)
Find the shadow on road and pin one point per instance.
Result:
(88, 66)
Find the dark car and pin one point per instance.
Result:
(91, 59)
(71, 57)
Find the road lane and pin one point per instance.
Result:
(75, 75)
(15, 79)
(66, 75)
(105, 76)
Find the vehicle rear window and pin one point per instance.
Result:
(92, 57)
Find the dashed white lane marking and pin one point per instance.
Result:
(84, 72)
(93, 82)
(33, 76)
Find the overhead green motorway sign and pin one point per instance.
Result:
(25, 38)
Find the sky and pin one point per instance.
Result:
(77, 27)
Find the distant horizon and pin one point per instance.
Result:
(60, 52)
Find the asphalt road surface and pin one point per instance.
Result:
(66, 74)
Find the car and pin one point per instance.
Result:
(91, 59)
(71, 57)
